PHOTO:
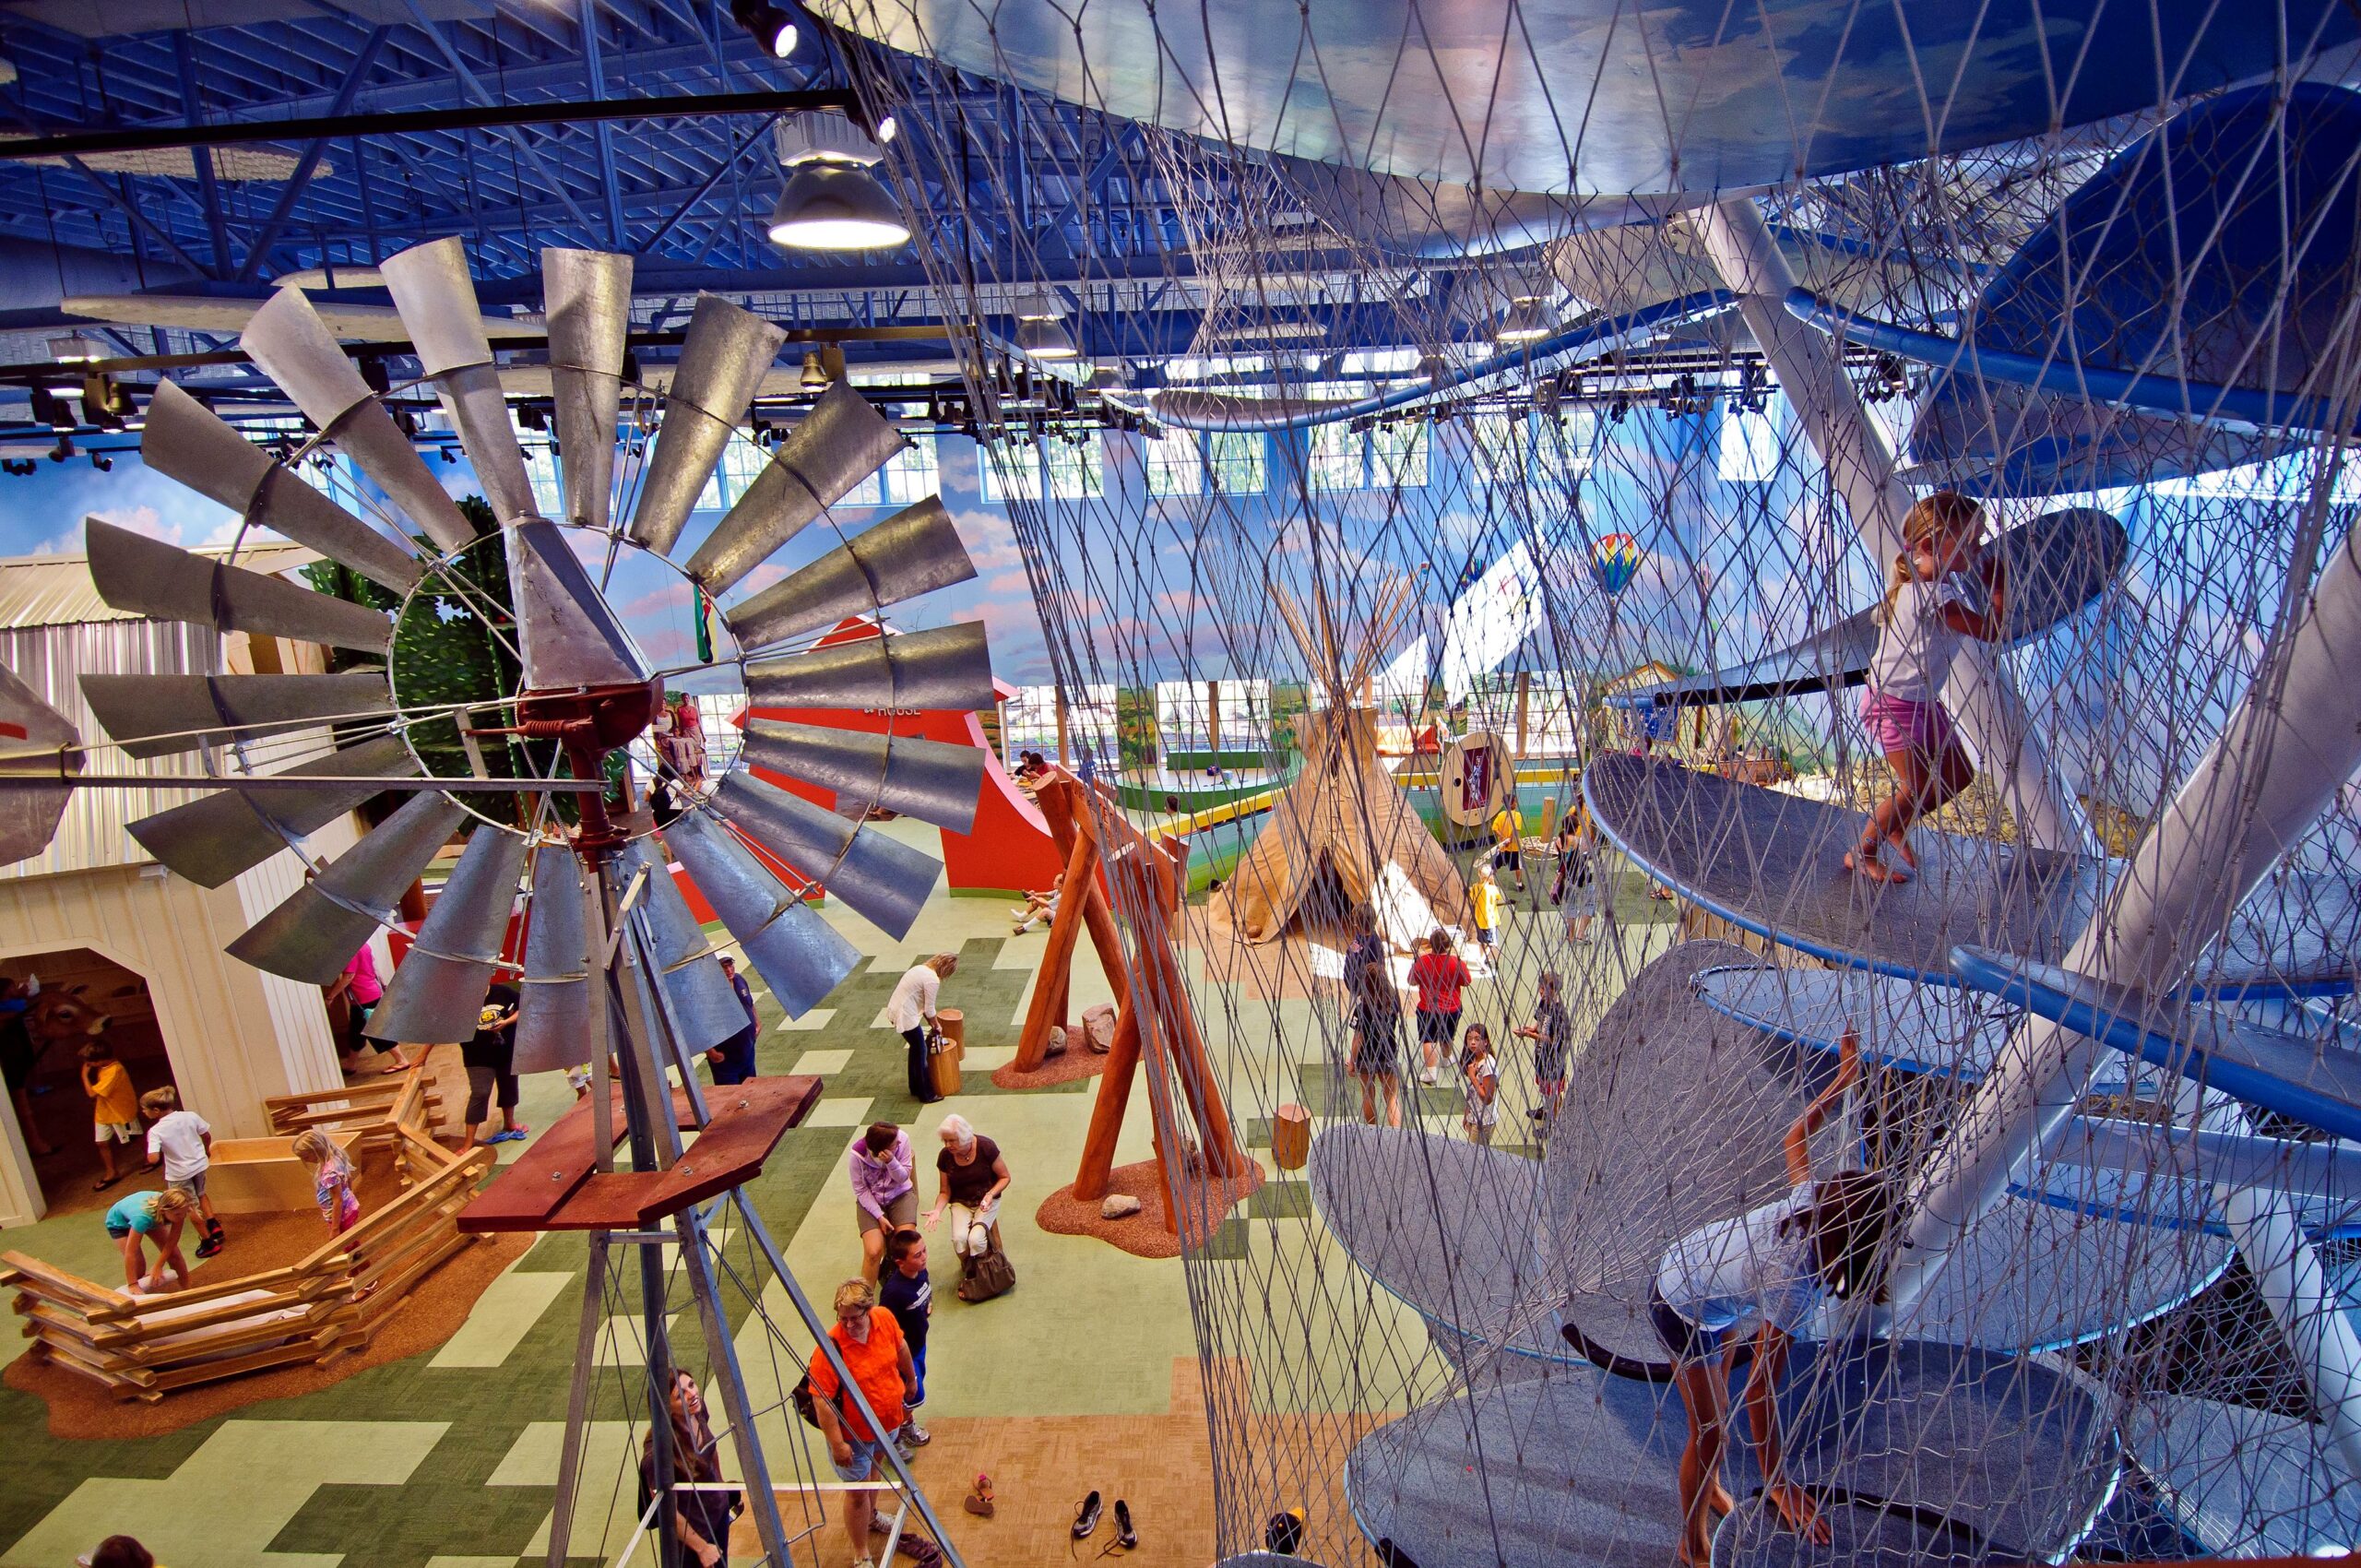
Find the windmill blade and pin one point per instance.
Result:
(722, 362)
(586, 295)
(841, 442)
(880, 878)
(800, 955)
(30, 812)
(948, 668)
(437, 301)
(698, 998)
(211, 841)
(553, 1018)
(914, 552)
(153, 716)
(164, 582)
(438, 990)
(566, 632)
(933, 780)
(294, 348)
(185, 440)
(316, 930)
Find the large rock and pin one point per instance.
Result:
(1118, 1206)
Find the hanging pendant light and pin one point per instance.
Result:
(1524, 322)
(1039, 334)
(1045, 339)
(831, 200)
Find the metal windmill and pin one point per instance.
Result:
(612, 958)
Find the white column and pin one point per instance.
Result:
(1811, 373)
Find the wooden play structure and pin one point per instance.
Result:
(1106, 857)
(328, 1303)
(1344, 812)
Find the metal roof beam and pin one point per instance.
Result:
(309, 162)
(489, 114)
(208, 189)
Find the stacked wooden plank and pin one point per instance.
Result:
(330, 1304)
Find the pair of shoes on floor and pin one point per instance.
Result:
(979, 1501)
(1086, 1520)
(213, 1243)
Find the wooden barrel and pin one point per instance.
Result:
(944, 1065)
(1291, 1137)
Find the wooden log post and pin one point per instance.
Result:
(1049, 986)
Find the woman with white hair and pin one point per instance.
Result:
(974, 1176)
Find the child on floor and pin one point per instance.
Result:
(115, 1106)
(1480, 1075)
(1928, 609)
(154, 1217)
(907, 1292)
(182, 1141)
(1039, 907)
(1776, 1266)
(1550, 1033)
(1485, 902)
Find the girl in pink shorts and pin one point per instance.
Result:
(1928, 608)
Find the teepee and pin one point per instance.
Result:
(1345, 812)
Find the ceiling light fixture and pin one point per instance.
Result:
(1039, 334)
(815, 379)
(75, 348)
(1045, 338)
(832, 201)
(772, 27)
(1524, 322)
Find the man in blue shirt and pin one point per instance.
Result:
(733, 1059)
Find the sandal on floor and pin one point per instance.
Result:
(978, 1502)
(103, 1186)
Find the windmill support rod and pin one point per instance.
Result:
(414, 122)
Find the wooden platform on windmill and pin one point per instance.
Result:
(556, 1184)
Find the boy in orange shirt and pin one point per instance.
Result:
(114, 1106)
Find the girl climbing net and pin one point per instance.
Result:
(1930, 606)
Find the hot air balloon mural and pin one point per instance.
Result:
(1614, 562)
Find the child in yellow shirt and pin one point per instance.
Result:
(1485, 902)
(114, 1106)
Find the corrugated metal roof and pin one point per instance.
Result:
(53, 661)
(56, 590)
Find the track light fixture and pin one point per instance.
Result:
(815, 379)
(101, 462)
(771, 26)
(832, 201)
(49, 408)
(63, 450)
